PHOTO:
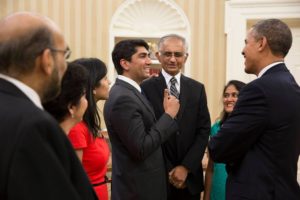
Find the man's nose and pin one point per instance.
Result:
(149, 61)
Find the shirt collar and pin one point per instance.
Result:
(29, 92)
(267, 68)
(168, 77)
(130, 81)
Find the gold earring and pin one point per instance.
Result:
(71, 112)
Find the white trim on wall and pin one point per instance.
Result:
(237, 14)
(148, 19)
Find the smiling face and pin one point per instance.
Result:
(251, 53)
(172, 55)
(230, 97)
(138, 69)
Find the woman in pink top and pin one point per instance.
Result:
(89, 144)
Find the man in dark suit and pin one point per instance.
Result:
(138, 170)
(260, 141)
(36, 159)
(184, 150)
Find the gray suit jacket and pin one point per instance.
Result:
(138, 170)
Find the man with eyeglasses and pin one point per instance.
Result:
(37, 159)
(67, 52)
(183, 151)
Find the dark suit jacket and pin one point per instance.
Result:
(138, 170)
(187, 147)
(260, 141)
(36, 159)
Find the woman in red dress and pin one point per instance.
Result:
(90, 145)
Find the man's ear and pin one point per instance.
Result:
(124, 64)
(262, 43)
(157, 55)
(46, 62)
(186, 57)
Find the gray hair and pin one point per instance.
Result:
(164, 38)
(19, 53)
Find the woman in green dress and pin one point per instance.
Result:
(216, 175)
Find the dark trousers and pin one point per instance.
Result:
(181, 194)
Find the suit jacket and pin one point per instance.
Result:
(138, 170)
(260, 141)
(188, 145)
(36, 159)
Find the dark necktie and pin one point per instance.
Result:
(173, 89)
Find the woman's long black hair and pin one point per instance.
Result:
(96, 71)
(238, 85)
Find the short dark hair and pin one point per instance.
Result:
(124, 50)
(96, 71)
(19, 53)
(238, 86)
(73, 87)
(277, 33)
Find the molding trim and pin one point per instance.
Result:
(238, 14)
(148, 19)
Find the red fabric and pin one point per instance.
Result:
(95, 156)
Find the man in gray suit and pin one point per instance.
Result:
(138, 170)
(260, 141)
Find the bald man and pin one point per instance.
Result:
(36, 158)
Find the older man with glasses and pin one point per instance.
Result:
(183, 151)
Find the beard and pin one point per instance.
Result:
(53, 88)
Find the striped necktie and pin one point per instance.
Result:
(173, 89)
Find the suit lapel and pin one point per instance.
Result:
(144, 101)
(160, 86)
(141, 97)
(184, 88)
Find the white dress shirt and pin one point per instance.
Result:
(168, 78)
(130, 81)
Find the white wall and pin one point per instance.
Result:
(239, 13)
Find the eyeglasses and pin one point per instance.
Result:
(233, 95)
(169, 54)
(67, 52)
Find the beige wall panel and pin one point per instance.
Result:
(207, 47)
(85, 24)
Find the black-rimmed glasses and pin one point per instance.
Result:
(67, 52)
(169, 54)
